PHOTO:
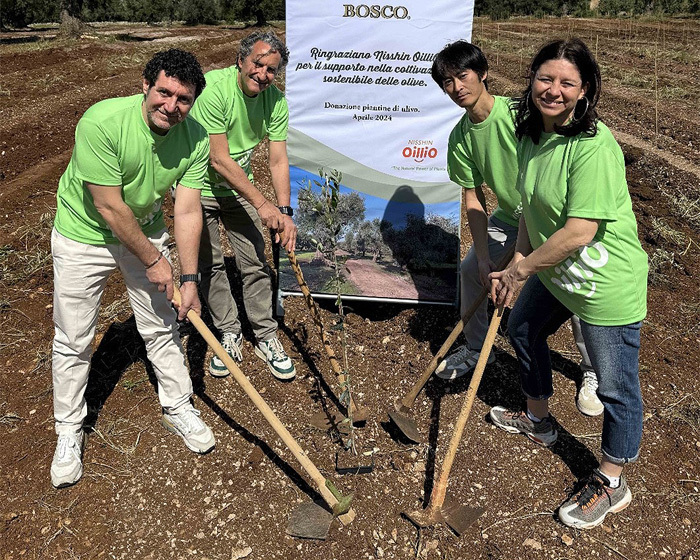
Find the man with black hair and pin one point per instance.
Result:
(239, 108)
(482, 149)
(128, 152)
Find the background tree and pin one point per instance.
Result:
(310, 225)
(261, 11)
(368, 239)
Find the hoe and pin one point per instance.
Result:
(441, 507)
(359, 414)
(306, 521)
(400, 416)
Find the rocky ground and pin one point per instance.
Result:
(144, 495)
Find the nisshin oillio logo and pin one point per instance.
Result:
(419, 150)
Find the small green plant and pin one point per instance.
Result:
(131, 384)
(325, 209)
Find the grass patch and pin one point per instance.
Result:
(346, 287)
(17, 266)
(113, 432)
(118, 310)
(661, 230)
(131, 384)
(685, 207)
(686, 411)
(675, 93)
(29, 234)
(691, 311)
(661, 262)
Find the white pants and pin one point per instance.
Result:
(80, 275)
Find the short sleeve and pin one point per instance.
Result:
(195, 175)
(596, 176)
(209, 110)
(460, 167)
(95, 155)
(279, 121)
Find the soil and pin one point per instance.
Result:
(143, 495)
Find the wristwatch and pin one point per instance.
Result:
(288, 210)
(190, 278)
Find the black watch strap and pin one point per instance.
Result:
(190, 278)
(288, 210)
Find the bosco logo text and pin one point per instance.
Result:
(375, 11)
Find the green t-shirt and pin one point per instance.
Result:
(604, 283)
(113, 147)
(486, 152)
(224, 109)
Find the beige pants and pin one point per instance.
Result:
(80, 275)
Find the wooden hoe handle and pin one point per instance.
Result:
(437, 497)
(410, 398)
(267, 412)
(316, 317)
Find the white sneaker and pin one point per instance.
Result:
(67, 464)
(232, 343)
(279, 364)
(587, 399)
(461, 361)
(187, 424)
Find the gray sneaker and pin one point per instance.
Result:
(460, 362)
(587, 400)
(187, 424)
(67, 464)
(279, 364)
(543, 433)
(233, 344)
(588, 507)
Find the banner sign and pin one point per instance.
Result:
(362, 102)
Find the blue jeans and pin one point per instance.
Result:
(614, 353)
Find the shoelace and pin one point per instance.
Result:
(590, 380)
(65, 443)
(190, 418)
(231, 346)
(593, 488)
(277, 350)
(460, 355)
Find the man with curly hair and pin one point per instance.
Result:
(128, 152)
(239, 108)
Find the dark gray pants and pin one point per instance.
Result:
(244, 232)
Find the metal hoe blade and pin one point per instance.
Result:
(406, 425)
(309, 521)
(452, 513)
(457, 516)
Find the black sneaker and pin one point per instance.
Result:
(543, 432)
(588, 507)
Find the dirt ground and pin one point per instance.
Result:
(143, 495)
